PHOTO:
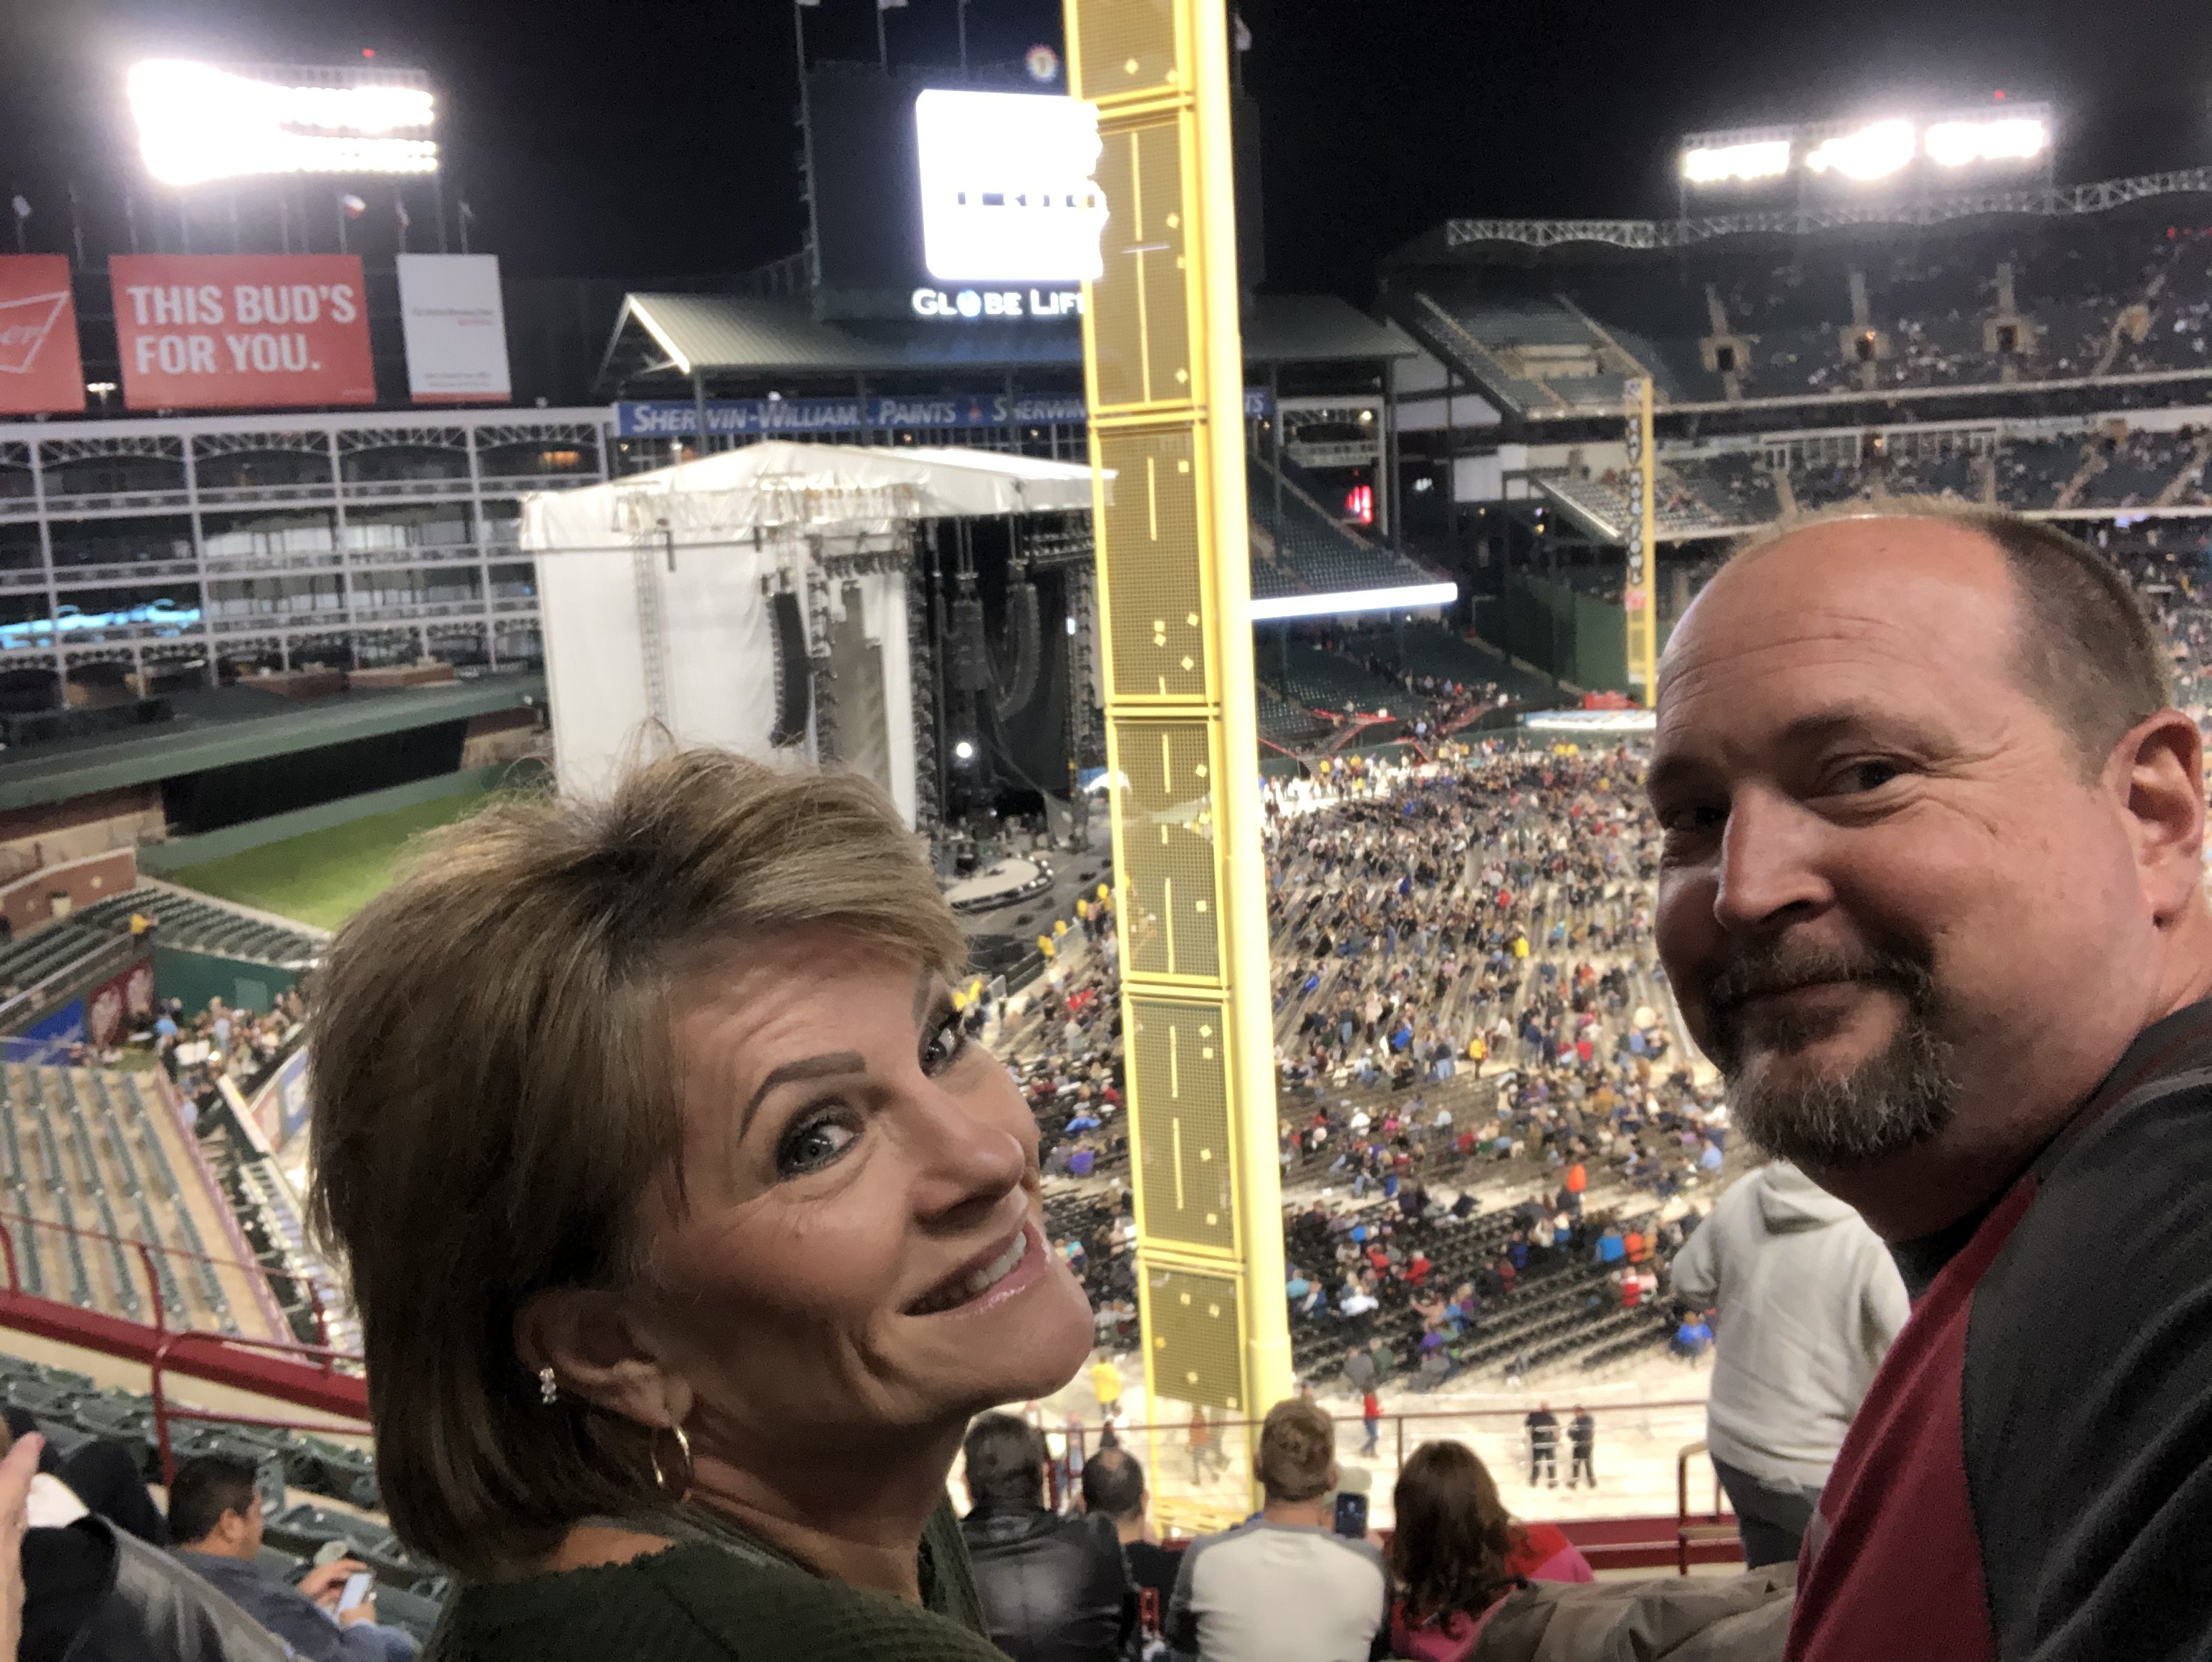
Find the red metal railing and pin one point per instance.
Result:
(329, 1381)
(256, 1274)
(164, 1411)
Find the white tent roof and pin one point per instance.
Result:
(782, 487)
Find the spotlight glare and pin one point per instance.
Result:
(1874, 152)
(197, 123)
(1765, 159)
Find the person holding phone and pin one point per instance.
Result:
(329, 1615)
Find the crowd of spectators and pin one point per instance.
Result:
(1469, 1050)
(224, 1040)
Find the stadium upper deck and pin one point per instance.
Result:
(2105, 291)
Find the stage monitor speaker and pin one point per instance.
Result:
(794, 673)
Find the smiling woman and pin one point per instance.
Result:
(688, 1231)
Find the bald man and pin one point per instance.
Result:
(1931, 896)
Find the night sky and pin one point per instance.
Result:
(654, 139)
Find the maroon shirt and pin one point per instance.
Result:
(2030, 1477)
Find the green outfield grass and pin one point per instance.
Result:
(324, 877)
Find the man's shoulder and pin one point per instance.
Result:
(1282, 1542)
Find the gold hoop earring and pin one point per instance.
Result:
(659, 1477)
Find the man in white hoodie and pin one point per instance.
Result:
(1808, 1301)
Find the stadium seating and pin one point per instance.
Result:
(205, 926)
(93, 1161)
(47, 962)
(2123, 292)
(69, 1409)
(1328, 680)
(1313, 548)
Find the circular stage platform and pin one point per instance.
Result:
(1016, 877)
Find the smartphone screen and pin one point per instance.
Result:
(357, 1586)
(1351, 1516)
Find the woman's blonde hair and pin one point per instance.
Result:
(494, 1095)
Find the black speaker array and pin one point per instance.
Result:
(971, 657)
(794, 678)
(1021, 631)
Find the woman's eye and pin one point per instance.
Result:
(943, 1048)
(812, 1146)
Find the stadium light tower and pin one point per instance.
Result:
(1162, 367)
(202, 122)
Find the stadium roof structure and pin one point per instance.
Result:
(223, 727)
(766, 335)
(1458, 237)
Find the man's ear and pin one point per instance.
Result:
(2157, 770)
(591, 1340)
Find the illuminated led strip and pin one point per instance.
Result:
(1352, 599)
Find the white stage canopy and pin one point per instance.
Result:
(652, 591)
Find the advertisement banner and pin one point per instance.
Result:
(790, 417)
(455, 330)
(120, 1007)
(40, 370)
(237, 331)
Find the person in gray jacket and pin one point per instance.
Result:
(1808, 1303)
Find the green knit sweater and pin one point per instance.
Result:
(715, 1596)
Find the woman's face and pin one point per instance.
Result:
(860, 1247)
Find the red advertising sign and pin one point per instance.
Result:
(234, 331)
(119, 1006)
(40, 370)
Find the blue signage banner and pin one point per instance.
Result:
(799, 417)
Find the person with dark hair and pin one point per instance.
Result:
(1542, 1427)
(1113, 1486)
(1054, 1589)
(214, 1513)
(1582, 1438)
(1931, 896)
(1456, 1553)
(1285, 1586)
(688, 1228)
(91, 1592)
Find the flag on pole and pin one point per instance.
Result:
(22, 210)
(399, 209)
(353, 205)
(1243, 33)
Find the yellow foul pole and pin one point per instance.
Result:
(1640, 594)
(1164, 368)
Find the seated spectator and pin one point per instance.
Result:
(91, 1592)
(1113, 1486)
(1457, 1553)
(214, 1513)
(1054, 1589)
(1284, 1587)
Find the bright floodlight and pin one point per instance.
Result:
(1956, 143)
(1409, 598)
(196, 122)
(1007, 194)
(1767, 159)
(1874, 152)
